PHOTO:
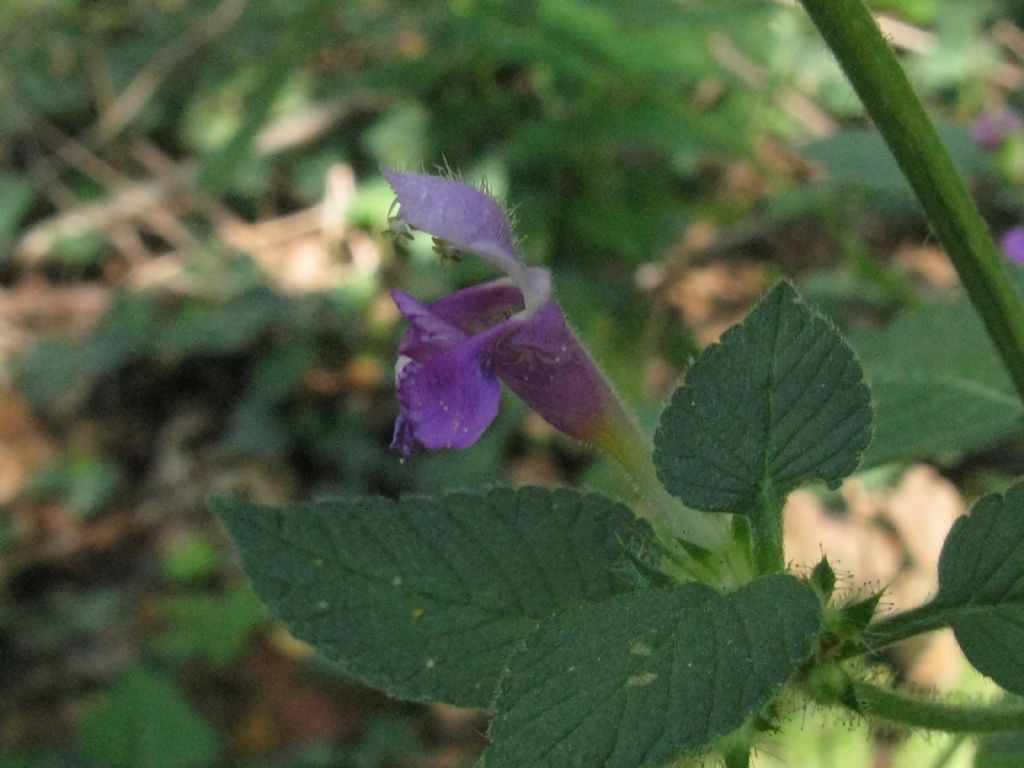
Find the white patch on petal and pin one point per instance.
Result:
(536, 288)
(400, 363)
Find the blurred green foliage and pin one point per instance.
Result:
(192, 560)
(589, 115)
(859, 158)
(611, 126)
(146, 721)
(940, 390)
(212, 628)
(86, 483)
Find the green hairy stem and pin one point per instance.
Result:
(907, 709)
(737, 758)
(876, 75)
(902, 626)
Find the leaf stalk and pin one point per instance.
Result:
(917, 712)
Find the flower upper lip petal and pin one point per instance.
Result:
(470, 220)
(462, 215)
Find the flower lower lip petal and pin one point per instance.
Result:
(450, 399)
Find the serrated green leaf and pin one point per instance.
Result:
(939, 388)
(426, 598)
(643, 677)
(145, 721)
(981, 586)
(778, 402)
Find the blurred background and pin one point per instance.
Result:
(194, 300)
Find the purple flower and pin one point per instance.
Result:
(458, 349)
(1013, 244)
(991, 130)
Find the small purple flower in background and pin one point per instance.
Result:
(991, 130)
(459, 348)
(1013, 244)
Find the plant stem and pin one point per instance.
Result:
(903, 708)
(736, 747)
(876, 75)
(901, 626)
(738, 757)
(906, 624)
